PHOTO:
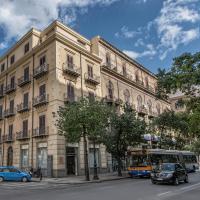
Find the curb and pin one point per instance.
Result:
(87, 182)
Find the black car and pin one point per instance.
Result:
(169, 173)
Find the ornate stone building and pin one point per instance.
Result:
(46, 68)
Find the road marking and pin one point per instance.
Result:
(188, 187)
(164, 193)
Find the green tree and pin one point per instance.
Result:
(169, 122)
(85, 119)
(124, 130)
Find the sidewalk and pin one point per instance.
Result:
(81, 179)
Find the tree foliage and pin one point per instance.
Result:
(124, 130)
(85, 119)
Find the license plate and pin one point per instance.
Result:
(159, 179)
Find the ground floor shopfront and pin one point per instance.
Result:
(55, 157)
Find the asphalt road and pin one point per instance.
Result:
(134, 189)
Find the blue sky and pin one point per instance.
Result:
(151, 31)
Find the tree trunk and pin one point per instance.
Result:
(119, 169)
(87, 175)
(95, 177)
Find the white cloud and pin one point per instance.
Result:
(170, 24)
(149, 51)
(175, 25)
(17, 16)
(126, 33)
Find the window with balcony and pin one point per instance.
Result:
(26, 74)
(10, 132)
(70, 92)
(25, 78)
(25, 100)
(26, 48)
(12, 104)
(42, 90)
(70, 61)
(42, 124)
(25, 128)
(2, 67)
(42, 60)
(90, 71)
(12, 82)
(12, 59)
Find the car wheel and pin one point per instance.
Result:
(24, 179)
(1, 179)
(186, 179)
(153, 182)
(176, 181)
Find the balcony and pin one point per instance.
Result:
(9, 112)
(142, 110)
(41, 132)
(71, 70)
(24, 80)
(8, 138)
(10, 88)
(70, 99)
(110, 66)
(127, 75)
(22, 135)
(95, 80)
(139, 82)
(112, 100)
(1, 94)
(23, 107)
(41, 100)
(40, 71)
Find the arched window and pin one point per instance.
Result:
(158, 108)
(149, 104)
(108, 60)
(139, 102)
(146, 82)
(127, 96)
(110, 90)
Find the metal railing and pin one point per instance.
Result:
(40, 132)
(71, 69)
(22, 135)
(22, 107)
(24, 80)
(41, 70)
(92, 78)
(10, 88)
(9, 112)
(42, 99)
(8, 138)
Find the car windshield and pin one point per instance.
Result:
(166, 167)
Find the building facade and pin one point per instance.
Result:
(45, 69)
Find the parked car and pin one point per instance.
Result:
(169, 173)
(13, 174)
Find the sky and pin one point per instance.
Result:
(152, 32)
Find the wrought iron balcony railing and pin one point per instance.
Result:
(41, 100)
(41, 71)
(41, 131)
(71, 69)
(92, 79)
(24, 80)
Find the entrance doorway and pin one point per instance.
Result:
(71, 160)
(10, 157)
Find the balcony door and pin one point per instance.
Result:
(42, 123)
(10, 156)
